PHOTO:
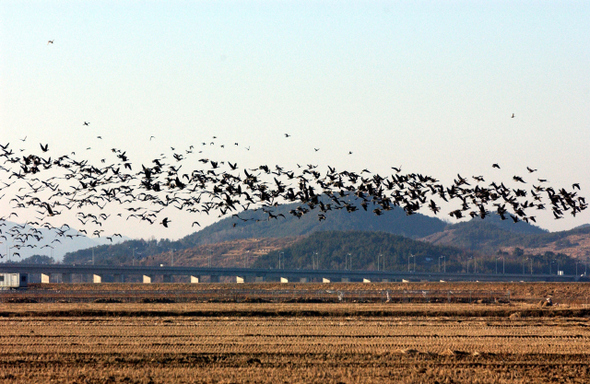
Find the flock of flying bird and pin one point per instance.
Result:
(52, 184)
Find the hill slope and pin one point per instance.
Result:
(486, 236)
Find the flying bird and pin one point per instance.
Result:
(49, 42)
(512, 116)
(86, 123)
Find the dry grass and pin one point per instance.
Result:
(297, 342)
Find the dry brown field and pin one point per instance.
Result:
(519, 341)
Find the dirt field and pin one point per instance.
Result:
(346, 342)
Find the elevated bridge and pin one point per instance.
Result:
(147, 274)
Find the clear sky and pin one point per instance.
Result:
(426, 85)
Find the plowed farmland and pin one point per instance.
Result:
(272, 342)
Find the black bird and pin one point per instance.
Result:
(495, 165)
(531, 170)
(45, 147)
(519, 179)
(86, 123)
(513, 115)
(49, 42)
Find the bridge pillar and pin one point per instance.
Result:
(366, 280)
(214, 278)
(167, 278)
(119, 278)
(385, 280)
(66, 278)
(97, 279)
(345, 280)
(45, 277)
(303, 280)
(147, 279)
(195, 279)
(259, 279)
(284, 279)
(326, 280)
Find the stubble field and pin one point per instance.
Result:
(271, 342)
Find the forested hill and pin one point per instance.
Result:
(395, 221)
(362, 250)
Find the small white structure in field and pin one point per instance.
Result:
(13, 280)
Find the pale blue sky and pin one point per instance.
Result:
(428, 85)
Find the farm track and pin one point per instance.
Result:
(293, 342)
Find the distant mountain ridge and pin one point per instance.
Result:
(49, 244)
(394, 221)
